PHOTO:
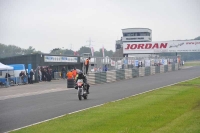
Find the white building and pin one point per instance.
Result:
(134, 35)
(137, 35)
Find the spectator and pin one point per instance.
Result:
(40, 75)
(70, 75)
(31, 76)
(87, 62)
(7, 75)
(63, 72)
(74, 72)
(22, 76)
(105, 69)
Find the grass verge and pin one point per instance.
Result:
(173, 109)
(194, 63)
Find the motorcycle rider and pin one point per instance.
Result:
(81, 76)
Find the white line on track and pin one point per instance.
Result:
(99, 105)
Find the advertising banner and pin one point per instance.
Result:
(147, 63)
(60, 59)
(136, 63)
(161, 47)
(165, 62)
(112, 63)
(129, 62)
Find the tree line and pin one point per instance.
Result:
(12, 50)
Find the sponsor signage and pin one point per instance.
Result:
(147, 63)
(60, 59)
(161, 47)
(136, 63)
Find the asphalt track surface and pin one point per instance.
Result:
(25, 110)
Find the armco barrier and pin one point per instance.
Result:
(115, 75)
(153, 70)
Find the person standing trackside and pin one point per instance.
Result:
(74, 72)
(63, 72)
(31, 76)
(70, 75)
(87, 61)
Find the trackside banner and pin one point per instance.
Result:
(161, 47)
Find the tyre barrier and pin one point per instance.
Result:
(157, 69)
(70, 83)
(169, 67)
(135, 72)
(147, 71)
(153, 70)
(141, 71)
(166, 68)
(120, 74)
(161, 68)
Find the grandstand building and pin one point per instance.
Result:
(134, 35)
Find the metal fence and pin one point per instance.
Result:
(12, 81)
(100, 64)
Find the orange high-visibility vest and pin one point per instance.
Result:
(74, 73)
(87, 62)
(69, 75)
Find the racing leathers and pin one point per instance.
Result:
(84, 78)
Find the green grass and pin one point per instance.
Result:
(193, 63)
(174, 109)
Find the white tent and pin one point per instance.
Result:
(5, 67)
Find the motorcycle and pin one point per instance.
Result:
(82, 91)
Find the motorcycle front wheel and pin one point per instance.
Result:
(85, 96)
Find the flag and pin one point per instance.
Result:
(92, 51)
(76, 53)
(103, 51)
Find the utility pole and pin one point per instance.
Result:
(90, 41)
(70, 46)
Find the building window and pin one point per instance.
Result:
(0, 73)
(137, 34)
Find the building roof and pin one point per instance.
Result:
(47, 54)
(135, 28)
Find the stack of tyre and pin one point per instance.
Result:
(70, 83)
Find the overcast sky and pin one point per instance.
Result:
(48, 24)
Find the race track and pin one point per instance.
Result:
(25, 110)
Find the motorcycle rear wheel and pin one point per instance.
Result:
(79, 94)
(85, 96)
